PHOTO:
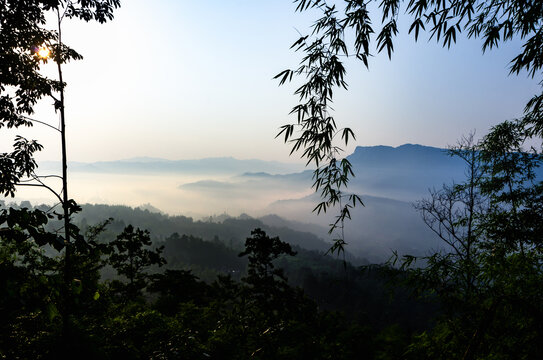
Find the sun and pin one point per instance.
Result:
(44, 52)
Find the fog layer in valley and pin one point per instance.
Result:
(389, 180)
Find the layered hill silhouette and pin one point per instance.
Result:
(389, 179)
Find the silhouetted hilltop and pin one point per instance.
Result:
(405, 172)
(407, 155)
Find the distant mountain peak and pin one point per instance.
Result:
(142, 159)
(401, 156)
(400, 147)
(416, 146)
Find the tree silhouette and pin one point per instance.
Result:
(26, 43)
(130, 258)
(262, 250)
(487, 280)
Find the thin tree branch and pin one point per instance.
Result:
(45, 186)
(41, 122)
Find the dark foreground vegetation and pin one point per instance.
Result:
(153, 312)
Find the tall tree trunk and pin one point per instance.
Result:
(65, 204)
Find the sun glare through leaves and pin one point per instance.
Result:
(43, 52)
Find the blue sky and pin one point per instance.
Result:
(193, 79)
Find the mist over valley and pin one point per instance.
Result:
(388, 179)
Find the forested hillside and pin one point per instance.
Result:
(230, 231)
(145, 299)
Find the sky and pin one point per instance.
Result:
(180, 79)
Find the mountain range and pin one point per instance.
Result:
(389, 179)
(145, 165)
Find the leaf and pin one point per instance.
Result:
(284, 75)
(416, 25)
(298, 44)
(320, 207)
(338, 246)
(345, 135)
(52, 311)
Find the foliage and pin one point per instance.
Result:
(24, 224)
(190, 251)
(322, 69)
(179, 316)
(32, 284)
(29, 297)
(24, 31)
(130, 257)
(262, 250)
(26, 42)
(175, 287)
(487, 281)
(493, 21)
(491, 224)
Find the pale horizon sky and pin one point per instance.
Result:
(193, 79)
